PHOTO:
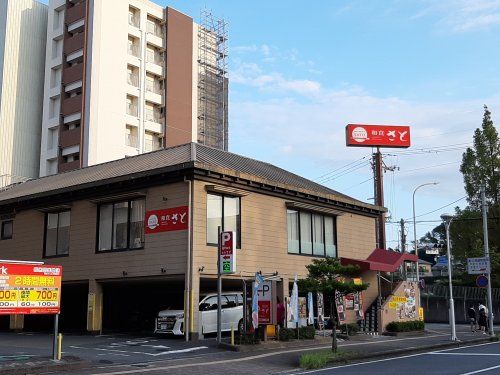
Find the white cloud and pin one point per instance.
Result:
(463, 15)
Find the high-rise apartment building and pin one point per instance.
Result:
(125, 77)
(22, 58)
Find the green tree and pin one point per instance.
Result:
(329, 277)
(482, 163)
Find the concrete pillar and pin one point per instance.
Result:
(94, 307)
(16, 323)
(286, 288)
(196, 332)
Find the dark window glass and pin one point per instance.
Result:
(121, 225)
(57, 227)
(7, 230)
(224, 212)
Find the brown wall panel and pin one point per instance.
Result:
(71, 105)
(72, 74)
(74, 43)
(179, 85)
(75, 13)
(69, 137)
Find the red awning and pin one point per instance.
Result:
(381, 260)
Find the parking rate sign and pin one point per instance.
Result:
(30, 289)
(227, 253)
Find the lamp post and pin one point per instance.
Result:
(448, 218)
(415, 224)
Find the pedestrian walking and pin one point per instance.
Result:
(482, 319)
(471, 313)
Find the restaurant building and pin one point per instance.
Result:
(138, 235)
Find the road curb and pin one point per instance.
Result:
(38, 367)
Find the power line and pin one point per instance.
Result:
(338, 169)
(343, 173)
(437, 209)
(431, 166)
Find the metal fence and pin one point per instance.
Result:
(435, 302)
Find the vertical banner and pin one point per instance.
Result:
(321, 310)
(255, 301)
(339, 303)
(310, 307)
(294, 302)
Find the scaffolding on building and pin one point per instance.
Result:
(212, 81)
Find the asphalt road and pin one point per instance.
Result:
(475, 359)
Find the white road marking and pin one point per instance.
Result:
(145, 353)
(482, 370)
(120, 354)
(480, 354)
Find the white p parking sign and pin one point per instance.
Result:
(227, 253)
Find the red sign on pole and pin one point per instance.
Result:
(30, 288)
(360, 135)
(166, 220)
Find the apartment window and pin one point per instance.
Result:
(131, 138)
(54, 107)
(131, 104)
(121, 225)
(57, 227)
(311, 234)
(154, 27)
(153, 55)
(133, 16)
(133, 46)
(152, 142)
(223, 211)
(71, 158)
(7, 230)
(55, 78)
(132, 76)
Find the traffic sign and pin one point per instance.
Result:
(227, 253)
(478, 266)
(482, 281)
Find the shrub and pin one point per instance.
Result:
(246, 339)
(351, 328)
(305, 333)
(409, 326)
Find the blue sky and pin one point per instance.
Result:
(299, 72)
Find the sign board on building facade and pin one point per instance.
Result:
(166, 220)
(30, 289)
(265, 302)
(227, 253)
(478, 266)
(361, 135)
(432, 251)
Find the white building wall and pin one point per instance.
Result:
(106, 116)
(52, 88)
(23, 26)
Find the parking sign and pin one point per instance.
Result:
(227, 253)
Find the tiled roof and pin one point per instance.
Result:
(173, 158)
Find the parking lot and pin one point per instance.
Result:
(104, 349)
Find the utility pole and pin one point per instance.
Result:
(379, 196)
(484, 210)
(403, 236)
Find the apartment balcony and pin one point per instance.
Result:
(76, 12)
(74, 43)
(58, 32)
(155, 35)
(77, 27)
(154, 29)
(64, 167)
(132, 110)
(154, 116)
(134, 20)
(72, 74)
(134, 50)
(131, 140)
(133, 80)
(68, 138)
(155, 66)
(155, 127)
(52, 122)
(56, 61)
(155, 98)
(152, 145)
(71, 105)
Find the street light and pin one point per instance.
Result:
(415, 224)
(448, 218)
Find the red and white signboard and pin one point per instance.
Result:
(30, 288)
(227, 253)
(166, 220)
(265, 298)
(360, 135)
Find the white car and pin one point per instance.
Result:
(172, 321)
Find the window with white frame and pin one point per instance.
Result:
(223, 211)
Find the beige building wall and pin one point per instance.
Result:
(23, 25)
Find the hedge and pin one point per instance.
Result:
(305, 333)
(409, 326)
(351, 328)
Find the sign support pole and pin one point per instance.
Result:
(56, 332)
(487, 256)
(379, 196)
(219, 289)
